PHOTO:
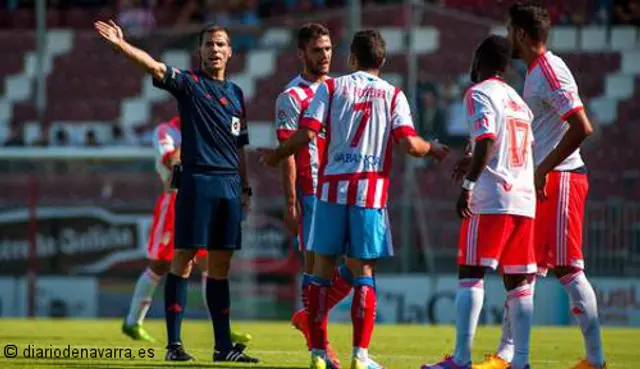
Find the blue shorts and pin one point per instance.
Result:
(307, 205)
(357, 232)
(208, 212)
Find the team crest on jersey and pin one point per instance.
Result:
(235, 126)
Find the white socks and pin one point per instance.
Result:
(584, 307)
(361, 354)
(505, 347)
(520, 309)
(142, 296)
(469, 300)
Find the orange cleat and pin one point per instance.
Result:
(492, 362)
(584, 364)
(299, 322)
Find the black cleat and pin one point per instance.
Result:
(175, 352)
(234, 355)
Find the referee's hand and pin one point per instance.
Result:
(269, 157)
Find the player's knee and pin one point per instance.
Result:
(361, 268)
(160, 267)
(470, 272)
(182, 262)
(562, 271)
(513, 281)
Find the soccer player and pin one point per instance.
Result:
(497, 203)
(300, 171)
(560, 126)
(211, 180)
(360, 114)
(166, 141)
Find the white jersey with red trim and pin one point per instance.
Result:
(360, 113)
(166, 140)
(552, 94)
(495, 110)
(290, 105)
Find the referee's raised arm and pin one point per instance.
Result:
(112, 33)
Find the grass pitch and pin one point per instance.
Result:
(280, 346)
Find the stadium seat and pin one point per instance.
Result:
(564, 39)
(593, 38)
(624, 38)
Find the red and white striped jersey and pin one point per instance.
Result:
(290, 105)
(552, 94)
(166, 140)
(495, 110)
(360, 113)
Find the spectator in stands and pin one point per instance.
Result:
(16, 137)
(218, 12)
(91, 139)
(456, 126)
(246, 14)
(135, 19)
(431, 117)
(626, 12)
(61, 138)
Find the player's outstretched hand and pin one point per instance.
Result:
(269, 157)
(462, 206)
(111, 32)
(439, 151)
(461, 168)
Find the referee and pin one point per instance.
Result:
(212, 181)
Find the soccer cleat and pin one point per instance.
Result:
(136, 332)
(319, 363)
(447, 363)
(235, 355)
(299, 322)
(238, 337)
(492, 362)
(584, 364)
(526, 367)
(370, 364)
(176, 352)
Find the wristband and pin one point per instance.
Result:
(468, 185)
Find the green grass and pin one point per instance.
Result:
(280, 346)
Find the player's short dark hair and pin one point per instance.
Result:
(369, 49)
(212, 28)
(494, 53)
(309, 32)
(533, 18)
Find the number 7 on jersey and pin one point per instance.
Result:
(365, 107)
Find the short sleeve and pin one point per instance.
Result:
(287, 115)
(562, 94)
(243, 138)
(163, 142)
(481, 115)
(316, 114)
(401, 120)
(176, 81)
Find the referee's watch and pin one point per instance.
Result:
(247, 191)
(468, 185)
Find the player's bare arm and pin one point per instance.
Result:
(246, 197)
(579, 129)
(418, 147)
(289, 186)
(461, 168)
(301, 138)
(479, 160)
(113, 34)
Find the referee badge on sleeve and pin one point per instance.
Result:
(235, 126)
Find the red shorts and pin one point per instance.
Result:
(558, 229)
(160, 245)
(490, 240)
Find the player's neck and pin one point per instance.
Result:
(217, 74)
(313, 78)
(534, 53)
(375, 72)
